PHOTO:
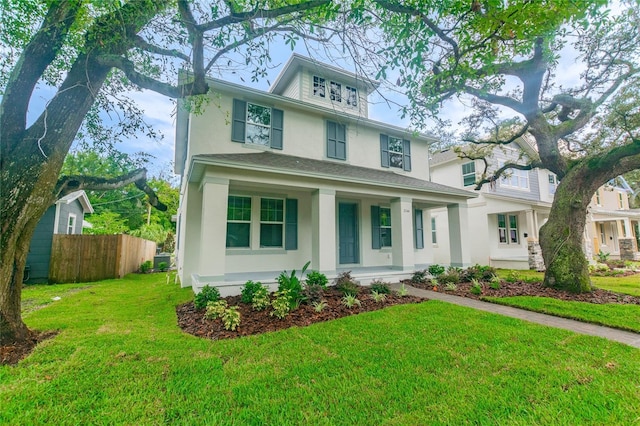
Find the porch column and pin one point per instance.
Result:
(532, 227)
(402, 234)
(213, 228)
(459, 247)
(323, 230)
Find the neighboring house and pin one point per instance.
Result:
(508, 214)
(66, 216)
(271, 180)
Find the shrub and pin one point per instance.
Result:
(163, 266)
(145, 267)
(451, 277)
(378, 297)
(434, 282)
(313, 293)
(380, 287)
(598, 267)
(512, 277)
(281, 304)
(260, 298)
(419, 276)
(346, 285)
(207, 294)
(478, 272)
(319, 306)
(350, 300)
(292, 284)
(402, 291)
(476, 287)
(231, 318)
(495, 282)
(451, 286)
(436, 270)
(317, 278)
(602, 256)
(248, 290)
(215, 309)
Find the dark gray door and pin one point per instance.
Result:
(348, 232)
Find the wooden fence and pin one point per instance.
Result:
(82, 258)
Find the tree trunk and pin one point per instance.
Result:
(562, 237)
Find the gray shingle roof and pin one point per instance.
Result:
(330, 170)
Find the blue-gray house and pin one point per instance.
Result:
(66, 216)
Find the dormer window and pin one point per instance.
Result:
(352, 96)
(318, 86)
(336, 91)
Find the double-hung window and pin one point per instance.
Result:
(239, 221)
(258, 124)
(434, 236)
(336, 92)
(620, 201)
(469, 173)
(517, 179)
(385, 227)
(71, 224)
(318, 86)
(553, 184)
(271, 222)
(508, 229)
(395, 152)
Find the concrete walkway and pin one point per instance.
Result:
(626, 337)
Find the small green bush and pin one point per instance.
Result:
(281, 304)
(317, 278)
(319, 306)
(512, 277)
(419, 276)
(163, 266)
(231, 318)
(312, 293)
(346, 285)
(451, 286)
(207, 294)
(350, 300)
(402, 291)
(380, 287)
(261, 298)
(476, 287)
(478, 272)
(215, 309)
(436, 270)
(378, 297)
(146, 266)
(293, 285)
(248, 290)
(451, 277)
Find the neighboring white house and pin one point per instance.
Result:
(506, 217)
(271, 180)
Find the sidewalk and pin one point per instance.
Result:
(626, 337)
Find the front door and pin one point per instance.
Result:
(348, 233)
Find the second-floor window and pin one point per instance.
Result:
(257, 124)
(395, 152)
(553, 184)
(517, 179)
(469, 173)
(620, 200)
(598, 197)
(352, 96)
(318, 86)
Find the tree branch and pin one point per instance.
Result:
(495, 99)
(497, 141)
(68, 184)
(144, 45)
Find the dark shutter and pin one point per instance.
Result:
(291, 225)
(277, 121)
(336, 141)
(406, 155)
(384, 150)
(419, 229)
(239, 120)
(375, 227)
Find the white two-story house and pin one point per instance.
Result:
(273, 179)
(506, 217)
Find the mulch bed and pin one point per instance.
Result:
(12, 353)
(521, 288)
(252, 322)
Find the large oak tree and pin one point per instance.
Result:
(85, 50)
(503, 59)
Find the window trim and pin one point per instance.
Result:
(317, 83)
(335, 91)
(336, 140)
(239, 221)
(71, 223)
(248, 123)
(268, 222)
(508, 228)
(434, 232)
(506, 181)
(382, 244)
(351, 91)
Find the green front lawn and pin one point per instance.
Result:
(626, 317)
(121, 359)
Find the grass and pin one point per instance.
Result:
(626, 317)
(121, 359)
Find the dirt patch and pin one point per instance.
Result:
(13, 353)
(521, 288)
(252, 322)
